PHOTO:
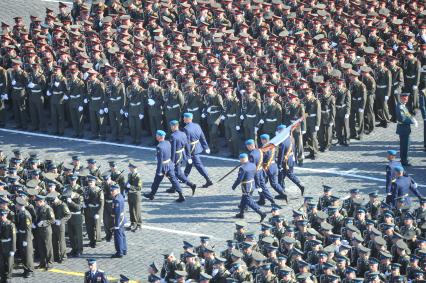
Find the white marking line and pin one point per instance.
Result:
(57, 1)
(332, 171)
(172, 231)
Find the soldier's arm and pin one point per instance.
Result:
(66, 213)
(50, 219)
(348, 103)
(137, 184)
(363, 95)
(389, 82)
(418, 72)
(75, 205)
(13, 236)
(173, 149)
(239, 179)
(318, 110)
(203, 141)
(332, 109)
(414, 189)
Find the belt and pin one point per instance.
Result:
(193, 109)
(75, 96)
(135, 104)
(410, 77)
(382, 86)
(18, 88)
(357, 98)
(36, 90)
(231, 115)
(56, 92)
(195, 142)
(251, 116)
(340, 106)
(325, 111)
(395, 83)
(173, 107)
(247, 182)
(6, 240)
(115, 99)
(213, 112)
(180, 150)
(75, 213)
(292, 121)
(312, 115)
(108, 200)
(96, 98)
(266, 164)
(93, 205)
(22, 231)
(271, 120)
(166, 161)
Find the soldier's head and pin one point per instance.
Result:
(92, 264)
(250, 144)
(174, 125)
(404, 97)
(132, 167)
(91, 181)
(160, 135)
(3, 214)
(40, 200)
(91, 163)
(16, 64)
(264, 139)
(391, 154)
(115, 190)
(187, 117)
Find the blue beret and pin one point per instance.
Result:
(243, 155)
(249, 142)
(281, 127)
(399, 169)
(174, 123)
(392, 152)
(264, 137)
(188, 115)
(161, 133)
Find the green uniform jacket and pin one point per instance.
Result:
(95, 95)
(135, 100)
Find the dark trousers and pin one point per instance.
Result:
(370, 116)
(196, 161)
(382, 106)
(57, 112)
(180, 175)
(37, 115)
(260, 184)
(298, 142)
(172, 178)
(93, 226)
(58, 242)
(356, 123)
(44, 245)
(342, 129)
(213, 135)
(77, 121)
(135, 126)
(108, 220)
(96, 123)
(272, 176)
(19, 111)
(115, 120)
(6, 265)
(120, 241)
(404, 144)
(26, 253)
(247, 200)
(134, 199)
(325, 136)
(75, 232)
(289, 173)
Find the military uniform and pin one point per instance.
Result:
(343, 109)
(369, 115)
(359, 96)
(291, 114)
(173, 104)
(4, 88)
(75, 202)
(213, 112)
(76, 90)
(107, 212)
(24, 240)
(36, 97)
(313, 119)
(18, 82)
(397, 86)
(232, 124)
(62, 215)
(120, 241)
(45, 218)
(328, 113)
(93, 207)
(403, 129)
(57, 91)
(115, 100)
(135, 109)
(383, 90)
(250, 113)
(7, 247)
(154, 96)
(412, 70)
(134, 188)
(96, 101)
(271, 117)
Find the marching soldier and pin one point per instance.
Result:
(45, 218)
(135, 102)
(370, 86)
(18, 82)
(328, 113)
(36, 87)
(93, 206)
(57, 91)
(383, 79)
(119, 221)
(231, 122)
(7, 244)
(24, 242)
(76, 92)
(133, 189)
(359, 96)
(313, 119)
(343, 109)
(402, 185)
(96, 100)
(116, 100)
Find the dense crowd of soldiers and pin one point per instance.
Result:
(41, 202)
(241, 67)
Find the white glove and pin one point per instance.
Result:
(416, 124)
(5, 96)
(84, 205)
(12, 253)
(121, 111)
(242, 117)
(85, 101)
(106, 110)
(386, 98)
(101, 111)
(80, 108)
(208, 151)
(41, 223)
(346, 116)
(48, 93)
(69, 200)
(128, 185)
(415, 87)
(331, 124)
(116, 228)
(85, 76)
(316, 128)
(100, 24)
(203, 115)
(151, 102)
(31, 85)
(66, 97)
(24, 244)
(237, 128)
(13, 82)
(141, 116)
(57, 222)
(96, 216)
(333, 44)
(303, 132)
(56, 84)
(360, 110)
(261, 121)
(222, 117)
(126, 114)
(190, 161)
(33, 226)
(256, 129)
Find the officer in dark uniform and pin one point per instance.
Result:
(402, 185)
(119, 221)
(94, 275)
(328, 114)
(18, 82)
(245, 178)
(133, 189)
(107, 218)
(390, 169)
(180, 153)
(62, 215)
(343, 109)
(165, 168)
(45, 218)
(359, 96)
(24, 242)
(370, 85)
(93, 207)
(198, 144)
(57, 92)
(403, 128)
(76, 92)
(7, 245)
(96, 101)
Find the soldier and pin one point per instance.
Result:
(370, 85)
(24, 241)
(169, 268)
(383, 79)
(402, 185)
(165, 168)
(119, 221)
(18, 82)
(328, 113)
(135, 109)
(313, 119)
(250, 113)
(117, 176)
(96, 100)
(295, 111)
(359, 95)
(403, 128)
(154, 96)
(271, 115)
(245, 178)
(8, 245)
(231, 120)
(93, 206)
(76, 92)
(133, 189)
(57, 92)
(343, 109)
(116, 100)
(94, 274)
(390, 170)
(412, 70)
(212, 112)
(397, 85)
(45, 218)
(107, 218)
(4, 89)
(173, 101)
(36, 88)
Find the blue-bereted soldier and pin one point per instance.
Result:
(287, 161)
(94, 275)
(390, 169)
(403, 128)
(271, 168)
(180, 153)
(198, 144)
(256, 157)
(120, 242)
(165, 167)
(246, 175)
(402, 185)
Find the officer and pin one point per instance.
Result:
(45, 218)
(250, 112)
(256, 157)
(295, 110)
(343, 109)
(402, 185)
(154, 96)
(62, 215)
(412, 70)
(116, 175)
(135, 109)
(115, 99)
(76, 90)
(94, 275)
(313, 119)
(245, 178)
(133, 189)
(4, 88)
(390, 169)
(57, 91)
(173, 101)
(383, 79)
(231, 121)
(286, 161)
(93, 207)
(271, 168)
(7, 245)
(107, 218)
(36, 97)
(18, 82)
(271, 115)
(359, 96)
(328, 113)
(24, 241)
(370, 86)
(212, 112)
(119, 221)
(397, 85)
(403, 128)
(165, 168)
(198, 144)
(96, 100)
(180, 153)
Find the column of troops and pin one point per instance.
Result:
(42, 202)
(241, 67)
(331, 240)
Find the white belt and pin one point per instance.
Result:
(382, 86)
(108, 200)
(1, 84)
(166, 161)
(231, 115)
(271, 120)
(17, 88)
(213, 112)
(75, 96)
(173, 107)
(6, 240)
(357, 98)
(93, 205)
(396, 83)
(325, 111)
(115, 99)
(56, 92)
(135, 104)
(251, 116)
(193, 109)
(75, 213)
(312, 115)
(292, 121)
(36, 90)
(410, 77)
(340, 106)
(96, 98)
(22, 231)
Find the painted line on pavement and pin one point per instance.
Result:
(57, 1)
(332, 172)
(172, 231)
(81, 274)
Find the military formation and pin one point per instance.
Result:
(240, 67)
(43, 204)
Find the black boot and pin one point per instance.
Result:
(239, 215)
(208, 184)
(148, 196)
(302, 189)
(262, 217)
(193, 187)
(181, 198)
